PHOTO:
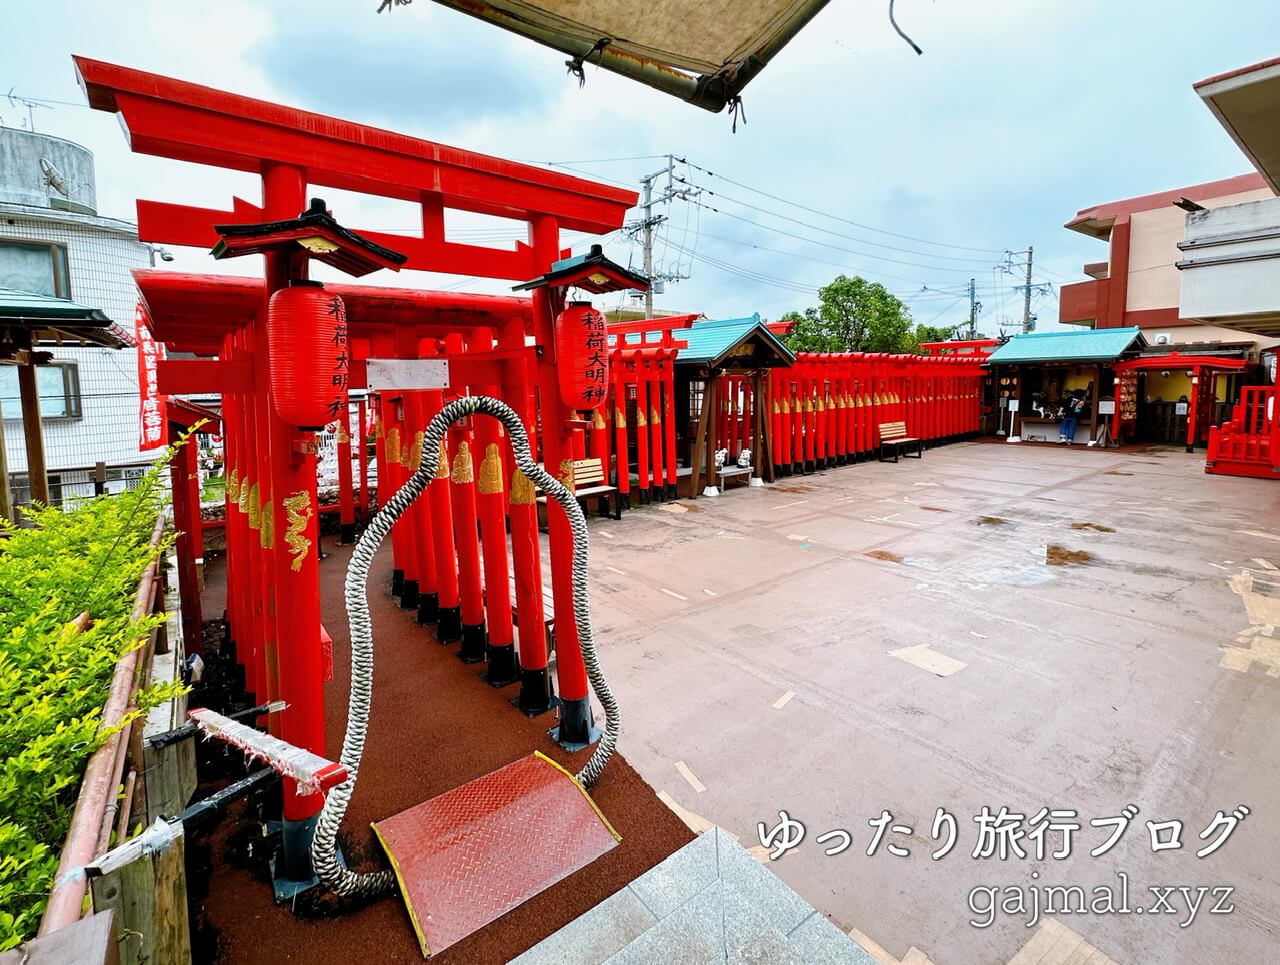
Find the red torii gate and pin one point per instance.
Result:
(292, 150)
(643, 353)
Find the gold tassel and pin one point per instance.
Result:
(655, 417)
(640, 419)
(463, 468)
(566, 474)
(442, 462)
(522, 491)
(597, 419)
(267, 532)
(415, 453)
(490, 471)
(620, 418)
(255, 507)
(233, 487)
(393, 444)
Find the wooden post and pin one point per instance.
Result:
(711, 405)
(33, 430)
(1096, 393)
(148, 893)
(6, 500)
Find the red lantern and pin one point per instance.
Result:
(582, 356)
(307, 331)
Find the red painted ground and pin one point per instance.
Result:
(435, 725)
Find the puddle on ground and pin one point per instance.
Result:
(884, 555)
(1116, 472)
(1056, 555)
(681, 507)
(935, 509)
(991, 521)
(791, 489)
(1096, 527)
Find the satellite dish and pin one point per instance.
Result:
(53, 177)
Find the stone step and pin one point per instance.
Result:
(710, 902)
(1055, 944)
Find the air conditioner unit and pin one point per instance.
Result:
(1164, 338)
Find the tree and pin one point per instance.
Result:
(934, 333)
(854, 315)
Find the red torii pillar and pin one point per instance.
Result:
(576, 728)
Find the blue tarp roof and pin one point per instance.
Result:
(709, 340)
(1088, 345)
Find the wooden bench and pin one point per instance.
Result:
(893, 437)
(589, 482)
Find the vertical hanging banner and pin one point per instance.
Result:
(151, 410)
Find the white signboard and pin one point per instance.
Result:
(1013, 405)
(1106, 407)
(1180, 408)
(386, 374)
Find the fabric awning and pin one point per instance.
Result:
(703, 52)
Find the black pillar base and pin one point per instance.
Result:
(626, 500)
(291, 871)
(428, 608)
(397, 582)
(449, 624)
(672, 491)
(502, 669)
(346, 534)
(1191, 448)
(409, 596)
(577, 728)
(475, 642)
(536, 696)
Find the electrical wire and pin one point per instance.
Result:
(833, 217)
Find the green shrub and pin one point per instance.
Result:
(53, 681)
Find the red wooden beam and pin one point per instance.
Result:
(204, 376)
(189, 122)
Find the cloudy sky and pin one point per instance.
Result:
(857, 155)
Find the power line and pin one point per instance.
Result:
(856, 224)
(823, 261)
(827, 245)
(909, 251)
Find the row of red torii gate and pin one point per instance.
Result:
(651, 417)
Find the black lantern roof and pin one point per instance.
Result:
(592, 272)
(314, 231)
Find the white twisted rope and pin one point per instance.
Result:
(324, 844)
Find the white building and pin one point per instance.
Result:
(1231, 254)
(52, 241)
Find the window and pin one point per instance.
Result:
(59, 386)
(34, 266)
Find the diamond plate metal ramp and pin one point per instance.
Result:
(472, 854)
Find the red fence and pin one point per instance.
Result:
(828, 408)
(1243, 445)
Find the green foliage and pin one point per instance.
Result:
(934, 333)
(54, 681)
(853, 315)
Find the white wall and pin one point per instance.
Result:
(1153, 251)
(100, 256)
(1231, 260)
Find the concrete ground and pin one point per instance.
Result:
(891, 638)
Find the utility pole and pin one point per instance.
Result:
(649, 222)
(973, 309)
(1028, 320)
(1026, 292)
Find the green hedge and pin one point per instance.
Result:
(53, 681)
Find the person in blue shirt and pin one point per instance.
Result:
(1071, 414)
